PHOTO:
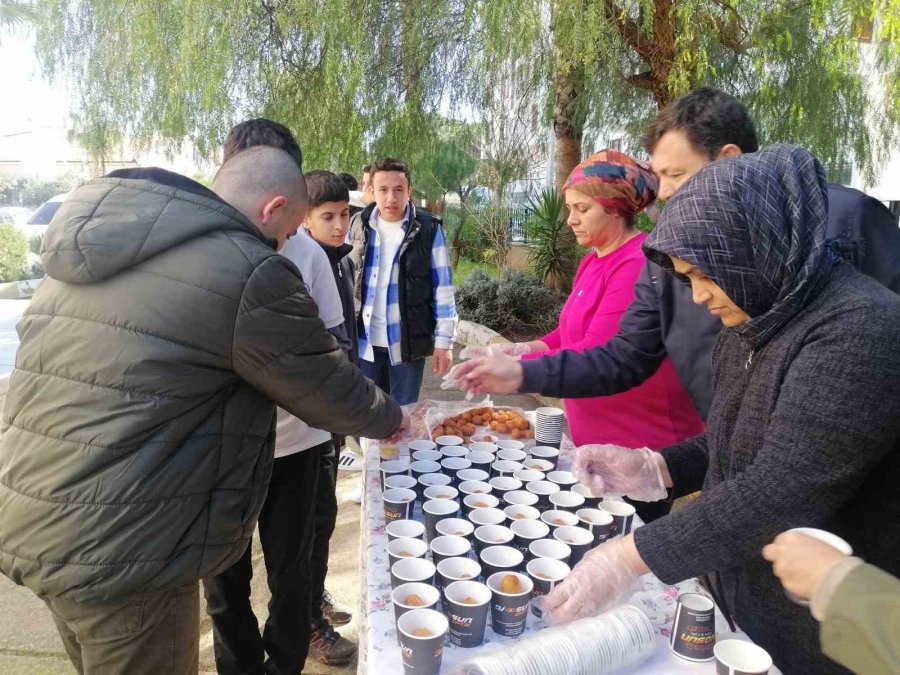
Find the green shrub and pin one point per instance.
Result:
(554, 253)
(13, 253)
(35, 243)
(516, 305)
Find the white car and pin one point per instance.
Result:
(41, 218)
(14, 215)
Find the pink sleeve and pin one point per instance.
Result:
(553, 339)
(605, 323)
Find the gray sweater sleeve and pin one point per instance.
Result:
(837, 416)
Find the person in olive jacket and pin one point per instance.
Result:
(857, 605)
(139, 423)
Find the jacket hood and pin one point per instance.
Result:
(756, 225)
(118, 221)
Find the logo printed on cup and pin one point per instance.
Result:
(694, 630)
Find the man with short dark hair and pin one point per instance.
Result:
(368, 193)
(261, 132)
(662, 320)
(139, 422)
(404, 286)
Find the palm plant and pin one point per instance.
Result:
(553, 256)
(16, 14)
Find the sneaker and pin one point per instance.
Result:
(335, 614)
(349, 461)
(327, 646)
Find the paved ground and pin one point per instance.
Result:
(29, 644)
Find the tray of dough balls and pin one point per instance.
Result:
(505, 423)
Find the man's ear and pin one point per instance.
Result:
(730, 150)
(272, 208)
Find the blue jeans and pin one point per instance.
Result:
(402, 381)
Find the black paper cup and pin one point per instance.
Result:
(512, 455)
(422, 655)
(447, 546)
(737, 657)
(565, 479)
(536, 464)
(455, 527)
(510, 444)
(527, 531)
(529, 475)
(500, 559)
(546, 453)
(490, 535)
(436, 510)
(483, 446)
(481, 460)
(410, 570)
(543, 489)
(622, 514)
(398, 504)
(393, 467)
(427, 456)
(509, 610)
(578, 539)
(545, 574)
(596, 521)
(500, 485)
(400, 480)
(467, 621)
(558, 518)
(488, 516)
(447, 441)
(422, 596)
(421, 444)
(590, 501)
(429, 480)
(473, 502)
(505, 468)
(471, 475)
(457, 569)
(451, 465)
(694, 629)
(406, 547)
(441, 492)
(565, 500)
(519, 498)
(454, 451)
(551, 549)
(398, 529)
(516, 512)
(422, 467)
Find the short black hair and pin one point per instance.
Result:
(710, 118)
(349, 180)
(391, 164)
(367, 168)
(260, 131)
(324, 186)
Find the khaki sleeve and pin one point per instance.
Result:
(282, 348)
(861, 630)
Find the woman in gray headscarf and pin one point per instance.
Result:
(805, 419)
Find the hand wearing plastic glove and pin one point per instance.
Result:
(497, 375)
(509, 349)
(607, 576)
(613, 471)
(452, 380)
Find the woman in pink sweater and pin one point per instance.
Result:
(604, 194)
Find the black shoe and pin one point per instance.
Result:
(327, 646)
(334, 613)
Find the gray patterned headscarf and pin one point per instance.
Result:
(756, 226)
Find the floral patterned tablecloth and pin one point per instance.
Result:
(378, 650)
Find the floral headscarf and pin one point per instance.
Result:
(616, 181)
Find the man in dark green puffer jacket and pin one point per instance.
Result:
(139, 423)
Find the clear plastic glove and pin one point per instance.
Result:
(613, 471)
(453, 380)
(604, 578)
(509, 349)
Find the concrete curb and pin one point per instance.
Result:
(471, 333)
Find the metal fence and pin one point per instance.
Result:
(518, 233)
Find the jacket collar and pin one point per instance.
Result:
(336, 253)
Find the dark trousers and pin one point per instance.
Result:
(286, 532)
(402, 381)
(141, 635)
(325, 520)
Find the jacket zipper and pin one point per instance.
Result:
(749, 360)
